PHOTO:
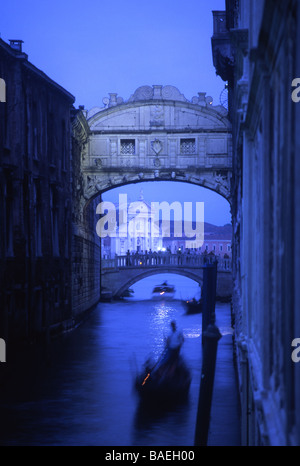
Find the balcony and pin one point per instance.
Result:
(221, 49)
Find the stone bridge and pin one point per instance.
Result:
(121, 272)
(157, 134)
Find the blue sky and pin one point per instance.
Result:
(96, 47)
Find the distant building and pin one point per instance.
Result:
(142, 232)
(145, 234)
(217, 241)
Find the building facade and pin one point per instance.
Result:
(255, 51)
(142, 234)
(35, 199)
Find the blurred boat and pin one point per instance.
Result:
(193, 306)
(165, 383)
(163, 291)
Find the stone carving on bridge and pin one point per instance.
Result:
(98, 162)
(156, 92)
(156, 146)
(218, 182)
(157, 116)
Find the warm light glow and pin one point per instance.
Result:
(145, 379)
(162, 292)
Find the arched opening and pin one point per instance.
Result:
(185, 288)
(94, 256)
(139, 252)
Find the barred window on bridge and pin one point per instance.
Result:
(127, 146)
(188, 146)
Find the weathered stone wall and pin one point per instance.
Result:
(262, 36)
(35, 200)
(85, 242)
(86, 275)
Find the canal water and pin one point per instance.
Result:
(84, 394)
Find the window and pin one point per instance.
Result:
(221, 247)
(50, 139)
(8, 217)
(127, 146)
(37, 218)
(35, 132)
(228, 247)
(188, 146)
(54, 221)
(63, 145)
(56, 296)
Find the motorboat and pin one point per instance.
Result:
(164, 383)
(193, 306)
(163, 291)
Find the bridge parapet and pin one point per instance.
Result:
(164, 259)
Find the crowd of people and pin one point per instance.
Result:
(188, 256)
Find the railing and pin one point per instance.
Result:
(161, 259)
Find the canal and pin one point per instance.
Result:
(84, 394)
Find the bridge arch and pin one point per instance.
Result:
(148, 273)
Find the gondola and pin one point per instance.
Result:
(165, 383)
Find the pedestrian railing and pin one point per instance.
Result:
(165, 259)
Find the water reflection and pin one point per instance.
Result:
(148, 422)
(86, 396)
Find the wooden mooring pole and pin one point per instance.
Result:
(210, 338)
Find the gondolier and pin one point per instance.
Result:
(174, 342)
(168, 380)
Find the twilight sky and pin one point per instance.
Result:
(99, 46)
(95, 47)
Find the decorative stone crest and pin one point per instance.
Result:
(156, 146)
